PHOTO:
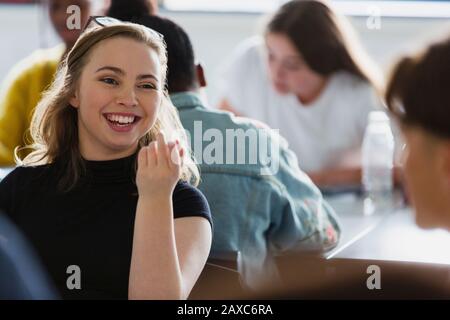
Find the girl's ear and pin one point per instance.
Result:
(74, 100)
(200, 75)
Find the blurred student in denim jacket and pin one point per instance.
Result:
(260, 208)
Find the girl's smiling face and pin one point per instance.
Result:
(117, 97)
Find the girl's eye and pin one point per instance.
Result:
(293, 68)
(109, 81)
(147, 86)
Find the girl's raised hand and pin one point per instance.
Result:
(159, 167)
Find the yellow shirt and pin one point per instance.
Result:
(19, 95)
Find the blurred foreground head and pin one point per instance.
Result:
(418, 96)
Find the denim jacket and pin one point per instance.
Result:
(258, 209)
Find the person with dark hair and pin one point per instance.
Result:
(126, 10)
(418, 96)
(309, 78)
(258, 211)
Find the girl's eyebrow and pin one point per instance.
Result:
(111, 68)
(122, 73)
(147, 76)
(293, 59)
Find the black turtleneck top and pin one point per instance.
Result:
(91, 226)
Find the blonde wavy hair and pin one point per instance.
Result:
(54, 125)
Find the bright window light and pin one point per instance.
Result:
(402, 8)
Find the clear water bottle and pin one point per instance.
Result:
(377, 164)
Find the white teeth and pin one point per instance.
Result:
(120, 119)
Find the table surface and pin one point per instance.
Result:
(392, 236)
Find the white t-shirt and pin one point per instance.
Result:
(320, 133)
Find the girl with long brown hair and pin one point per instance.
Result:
(309, 78)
